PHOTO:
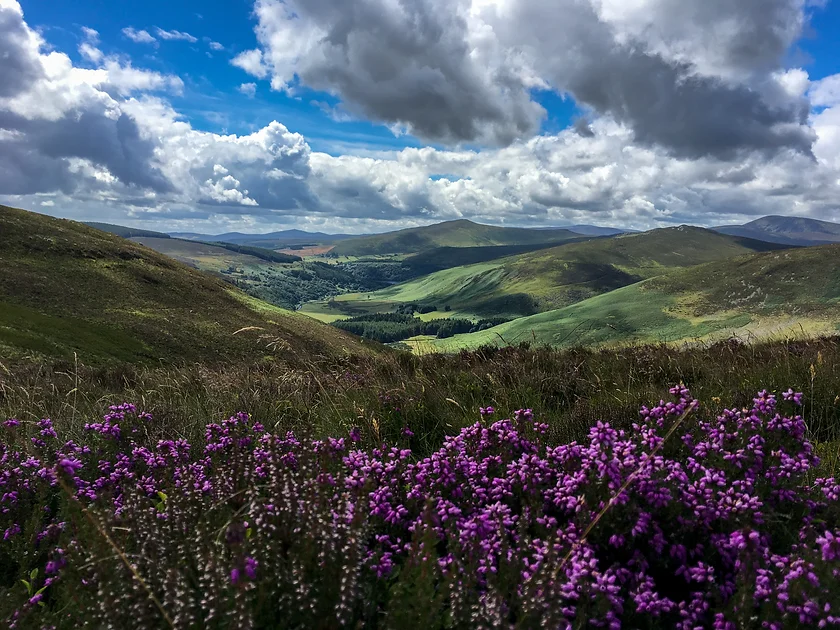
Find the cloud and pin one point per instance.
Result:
(175, 35)
(251, 61)
(105, 143)
(420, 65)
(248, 89)
(18, 50)
(215, 46)
(138, 37)
(696, 77)
(63, 125)
(88, 48)
(826, 93)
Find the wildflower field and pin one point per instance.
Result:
(510, 488)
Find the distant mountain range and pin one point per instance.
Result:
(786, 230)
(270, 240)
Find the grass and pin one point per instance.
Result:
(556, 277)
(204, 255)
(70, 289)
(770, 294)
(461, 233)
(435, 395)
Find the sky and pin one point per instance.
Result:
(373, 115)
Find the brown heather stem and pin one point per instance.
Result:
(624, 487)
(118, 551)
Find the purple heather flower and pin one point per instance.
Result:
(407, 432)
(70, 465)
(796, 397)
(11, 422)
(234, 575)
(829, 546)
(251, 568)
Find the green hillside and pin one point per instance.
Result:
(783, 293)
(461, 233)
(125, 232)
(559, 276)
(67, 287)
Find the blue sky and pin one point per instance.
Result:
(384, 123)
(211, 99)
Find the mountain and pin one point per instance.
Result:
(270, 240)
(786, 230)
(759, 296)
(558, 276)
(460, 233)
(125, 232)
(68, 288)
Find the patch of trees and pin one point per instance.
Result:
(392, 327)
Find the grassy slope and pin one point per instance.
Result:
(70, 288)
(125, 232)
(559, 276)
(200, 255)
(759, 296)
(460, 233)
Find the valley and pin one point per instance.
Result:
(459, 285)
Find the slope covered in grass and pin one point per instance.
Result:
(787, 292)
(461, 233)
(125, 232)
(68, 288)
(559, 276)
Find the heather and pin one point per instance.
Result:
(681, 521)
(452, 491)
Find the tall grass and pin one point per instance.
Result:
(434, 395)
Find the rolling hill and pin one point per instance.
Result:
(757, 296)
(68, 288)
(556, 277)
(460, 233)
(786, 230)
(125, 232)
